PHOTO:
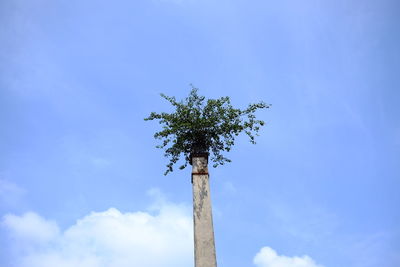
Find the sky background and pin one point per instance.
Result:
(81, 182)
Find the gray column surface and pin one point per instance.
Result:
(204, 245)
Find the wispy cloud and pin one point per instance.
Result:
(10, 193)
(174, 1)
(31, 227)
(308, 222)
(397, 136)
(229, 188)
(378, 246)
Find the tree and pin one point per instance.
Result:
(203, 126)
(194, 129)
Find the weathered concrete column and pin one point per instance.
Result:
(204, 245)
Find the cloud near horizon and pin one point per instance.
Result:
(267, 257)
(105, 239)
(161, 237)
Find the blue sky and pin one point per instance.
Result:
(77, 160)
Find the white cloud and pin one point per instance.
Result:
(160, 237)
(267, 257)
(106, 239)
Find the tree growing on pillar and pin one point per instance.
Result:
(204, 126)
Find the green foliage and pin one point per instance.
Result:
(200, 125)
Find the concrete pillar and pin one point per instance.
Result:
(204, 245)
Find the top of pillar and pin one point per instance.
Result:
(199, 162)
(198, 155)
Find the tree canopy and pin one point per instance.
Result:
(203, 126)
